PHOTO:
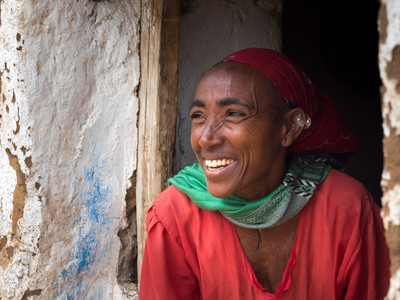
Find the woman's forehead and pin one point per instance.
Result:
(237, 81)
(237, 78)
(233, 69)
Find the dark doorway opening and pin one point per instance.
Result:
(336, 44)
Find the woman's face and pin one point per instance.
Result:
(237, 142)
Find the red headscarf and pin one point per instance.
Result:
(327, 132)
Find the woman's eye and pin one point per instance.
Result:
(235, 114)
(196, 116)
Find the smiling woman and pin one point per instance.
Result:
(265, 214)
(234, 122)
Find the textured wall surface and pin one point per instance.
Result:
(209, 30)
(389, 64)
(68, 106)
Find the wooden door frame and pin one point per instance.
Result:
(158, 98)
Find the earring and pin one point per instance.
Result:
(303, 124)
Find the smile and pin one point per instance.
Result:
(217, 164)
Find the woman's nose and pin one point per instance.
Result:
(211, 135)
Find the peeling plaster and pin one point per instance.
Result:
(69, 75)
(88, 123)
(6, 253)
(128, 255)
(8, 178)
(19, 192)
(394, 290)
(20, 209)
(391, 199)
(389, 64)
(386, 177)
(30, 293)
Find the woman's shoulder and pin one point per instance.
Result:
(339, 177)
(176, 211)
(344, 196)
(340, 211)
(342, 185)
(184, 221)
(171, 200)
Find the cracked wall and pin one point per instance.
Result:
(69, 75)
(389, 64)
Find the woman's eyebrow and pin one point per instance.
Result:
(234, 101)
(222, 102)
(197, 103)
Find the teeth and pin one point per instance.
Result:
(218, 163)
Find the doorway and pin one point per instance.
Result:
(336, 44)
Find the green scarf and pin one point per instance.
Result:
(304, 174)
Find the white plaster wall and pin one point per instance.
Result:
(391, 114)
(389, 65)
(209, 30)
(69, 72)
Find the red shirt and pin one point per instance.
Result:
(339, 251)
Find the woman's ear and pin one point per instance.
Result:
(291, 127)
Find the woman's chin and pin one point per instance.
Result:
(219, 191)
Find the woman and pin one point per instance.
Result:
(265, 214)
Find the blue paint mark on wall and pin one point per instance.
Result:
(95, 221)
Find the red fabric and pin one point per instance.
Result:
(327, 132)
(339, 251)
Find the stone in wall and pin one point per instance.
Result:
(68, 140)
